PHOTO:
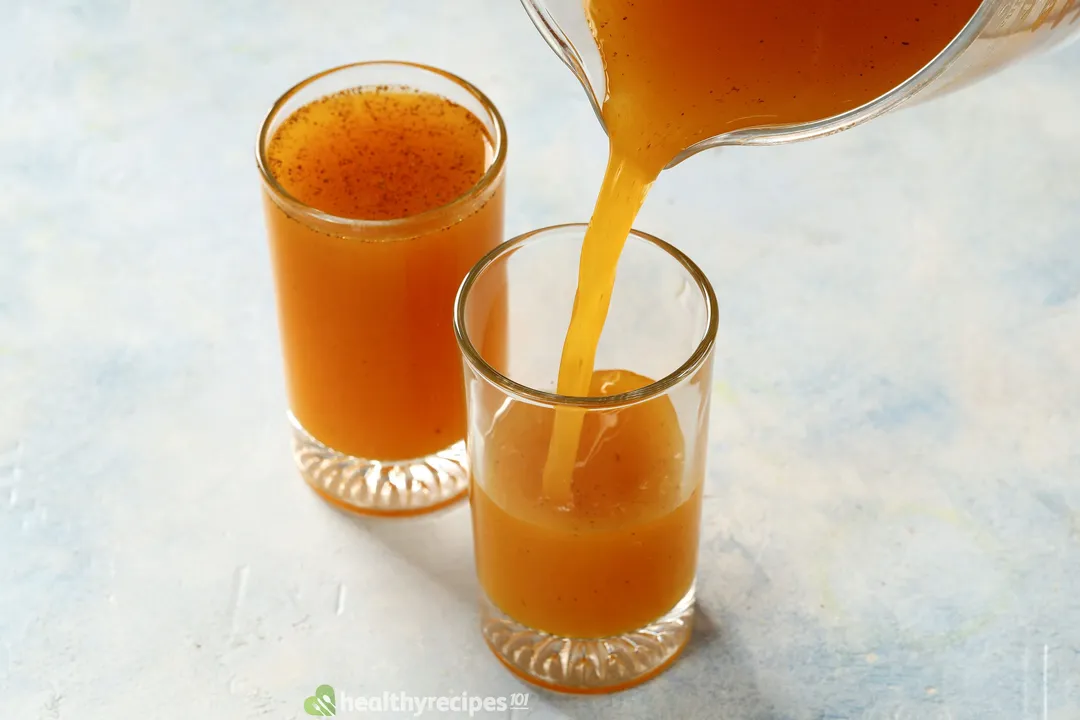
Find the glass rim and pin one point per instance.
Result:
(697, 358)
(493, 171)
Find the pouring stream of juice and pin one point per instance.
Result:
(680, 71)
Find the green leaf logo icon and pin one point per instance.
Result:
(322, 703)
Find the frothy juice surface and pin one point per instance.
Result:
(379, 154)
(372, 366)
(623, 552)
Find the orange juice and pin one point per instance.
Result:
(371, 363)
(623, 552)
(682, 71)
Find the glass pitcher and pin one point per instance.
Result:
(1000, 32)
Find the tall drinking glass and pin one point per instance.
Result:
(596, 593)
(366, 266)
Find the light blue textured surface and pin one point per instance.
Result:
(893, 510)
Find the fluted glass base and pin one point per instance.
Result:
(376, 487)
(588, 665)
